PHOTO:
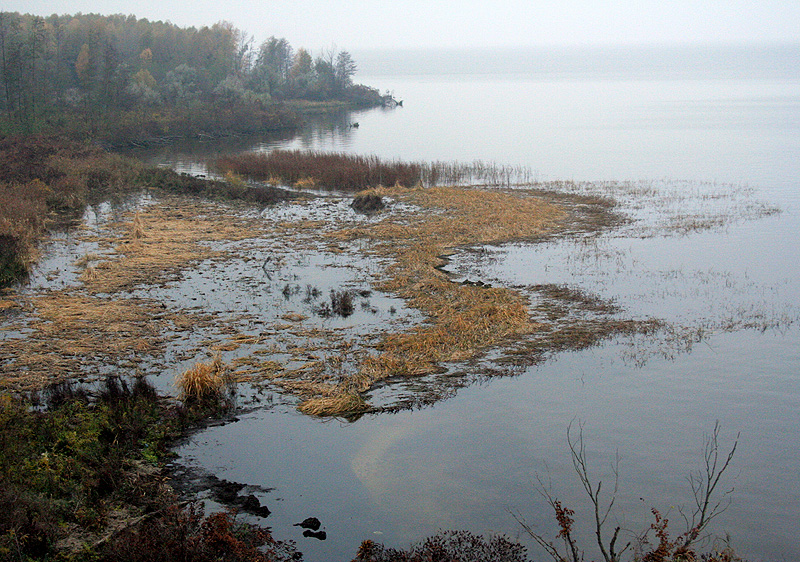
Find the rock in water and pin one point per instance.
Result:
(309, 523)
(320, 535)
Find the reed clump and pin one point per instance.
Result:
(346, 404)
(206, 384)
(320, 169)
(347, 172)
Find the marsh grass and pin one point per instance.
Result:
(137, 227)
(44, 179)
(347, 404)
(345, 172)
(23, 217)
(308, 169)
(671, 207)
(70, 330)
(42, 176)
(207, 384)
(415, 237)
(341, 304)
(463, 320)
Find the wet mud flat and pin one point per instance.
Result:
(342, 312)
(287, 295)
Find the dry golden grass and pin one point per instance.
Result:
(176, 229)
(344, 403)
(86, 260)
(73, 330)
(70, 331)
(463, 320)
(89, 274)
(294, 317)
(204, 382)
(137, 228)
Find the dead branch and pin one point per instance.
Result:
(704, 483)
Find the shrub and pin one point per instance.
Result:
(64, 463)
(184, 534)
(447, 546)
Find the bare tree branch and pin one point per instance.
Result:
(577, 449)
(704, 483)
(708, 504)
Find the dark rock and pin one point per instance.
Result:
(251, 505)
(320, 535)
(369, 203)
(309, 523)
(226, 492)
(262, 511)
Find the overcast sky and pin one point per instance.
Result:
(362, 24)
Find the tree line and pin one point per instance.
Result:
(118, 62)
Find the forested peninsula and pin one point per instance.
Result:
(119, 78)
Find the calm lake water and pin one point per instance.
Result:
(704, 121)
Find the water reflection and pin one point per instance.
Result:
(466, 461)
(323, 130)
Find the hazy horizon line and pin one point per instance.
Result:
(581, 46)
